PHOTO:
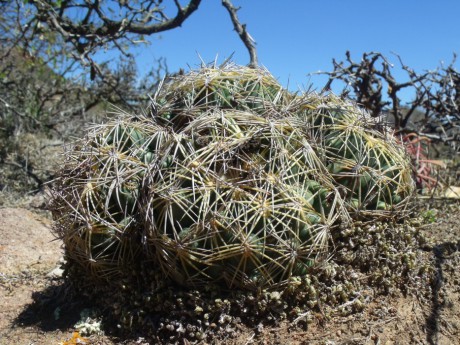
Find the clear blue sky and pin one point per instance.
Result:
(298, 37)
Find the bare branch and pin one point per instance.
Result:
(367, 81)
(243, 33)
(434, 110)
(97, 29)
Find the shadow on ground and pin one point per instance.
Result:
(55, 308)
(441, 252)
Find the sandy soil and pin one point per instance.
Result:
(33, 308)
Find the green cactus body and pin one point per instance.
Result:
(229, 180)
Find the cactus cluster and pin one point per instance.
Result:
(229, 179)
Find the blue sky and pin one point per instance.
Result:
(295, 38)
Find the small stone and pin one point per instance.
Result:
(275, 295)
(56, 273)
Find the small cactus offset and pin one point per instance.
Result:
(230, 179)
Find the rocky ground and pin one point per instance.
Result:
(37, 308)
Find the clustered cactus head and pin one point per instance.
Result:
(230, 87)
(230, 179)
(243, 198)
(366, 162)
(95, 198)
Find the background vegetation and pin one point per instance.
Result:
(54, 80)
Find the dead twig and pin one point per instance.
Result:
(248, 41)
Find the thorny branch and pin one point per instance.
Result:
(243, 33)
(44, 89)
(435, 106)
